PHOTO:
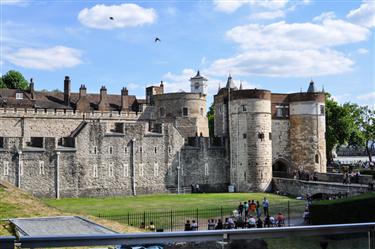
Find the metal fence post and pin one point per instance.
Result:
(171, 221)
(128, 219)
(197, 218)
(289, 213)
(221, 213)
(144, 218)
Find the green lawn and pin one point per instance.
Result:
(123, 205)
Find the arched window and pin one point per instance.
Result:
(316, 158)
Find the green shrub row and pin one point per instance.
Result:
(356, 209)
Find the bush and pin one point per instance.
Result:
(355, 209)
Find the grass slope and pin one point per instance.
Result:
(15, 203)
(123, 205)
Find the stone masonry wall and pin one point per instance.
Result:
(281, 141)
(251, 154)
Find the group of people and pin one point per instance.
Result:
(193, 226)
(253, 207)
(150, 227)
(301, 174)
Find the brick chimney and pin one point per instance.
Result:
(67, 91)
(124, 99)
(103, 103)
(161, 87)
(83, 104)
(32, 91)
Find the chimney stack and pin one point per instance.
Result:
(161, 87)
(82, 91)
(67, 91)
(124, 99)
(103, 103)
(32, 91)
(83, 104)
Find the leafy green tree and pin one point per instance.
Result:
(211, 118)
(339, 125)
(2, 85)
(363, 135)
(14, 79)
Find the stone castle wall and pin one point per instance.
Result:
(251, 147)
(281, 141)
(307, 136)
(106, 163)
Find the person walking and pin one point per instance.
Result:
(258, 210)
(246, 208)
(266, 206)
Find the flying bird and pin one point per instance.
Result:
(111, 18)
(157, 39)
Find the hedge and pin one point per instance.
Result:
(355, 209)
(368, 172)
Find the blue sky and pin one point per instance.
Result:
(271, 44)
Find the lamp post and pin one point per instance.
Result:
(58, 175)
(133, 167)
(178, 171)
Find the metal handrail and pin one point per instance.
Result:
(191, 236)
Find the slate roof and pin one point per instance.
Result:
(55, 100)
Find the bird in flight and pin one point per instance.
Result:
(157, 39)
(111, 18)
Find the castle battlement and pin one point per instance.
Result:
(59, 113)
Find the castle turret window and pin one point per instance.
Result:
(322, 109)
(316, 158)
(1, 143)
(6, 168)
(185, 111)
(156, 169)
(95, 150)
(126, 169)
(110, 170)
(95, 170)
(282, 111)
(110, 150)
(243, 108)
(155, 149)
(126, 150)
(141, 169)
(41, 168)
(206, 169)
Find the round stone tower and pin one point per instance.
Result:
(307, 130)
(250, 139)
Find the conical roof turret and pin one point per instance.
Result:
(311, 88)
(230, 82)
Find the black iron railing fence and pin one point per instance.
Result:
(174, 220)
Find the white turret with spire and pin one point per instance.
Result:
(198, 84)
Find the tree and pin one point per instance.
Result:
(2, 85)
(14, 80)
(363, 135)
(339, 125)
(211, 118)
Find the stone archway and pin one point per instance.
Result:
(280, 167)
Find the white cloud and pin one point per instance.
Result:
(364, 15)
(232, 5)
(368, 96)
(47, 58)
(362, 51)
(268, 15)
(180, 82)
(124, 15)
(329, 33)
(284, 63)
(325, 15)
